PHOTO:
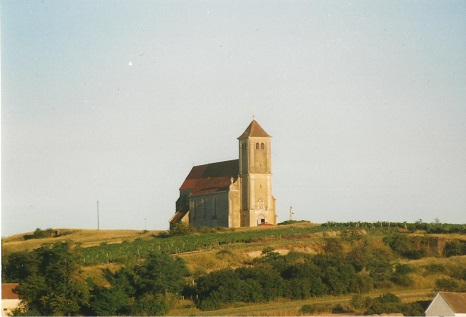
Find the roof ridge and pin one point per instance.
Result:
(216, 162)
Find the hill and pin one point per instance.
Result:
(417, 258)
(83, 237)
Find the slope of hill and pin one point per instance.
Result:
(83, 237)
(425, 258)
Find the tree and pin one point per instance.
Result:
(111, 301)
(218, 288)
(55, 286)
(152, 305)
(336, 274)
(446, 284)
(18, 266)
(160, 274)
(387, 303)
(147, 288)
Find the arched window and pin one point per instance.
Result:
(243, 146)
(257, 146)
(262, 146)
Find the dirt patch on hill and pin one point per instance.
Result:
(256, 254)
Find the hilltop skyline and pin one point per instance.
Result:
(116, 101)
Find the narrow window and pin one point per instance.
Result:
(194, 209)
(262, 146)
(243, 146)
(257, 146)
(215, 209)
(205, 207)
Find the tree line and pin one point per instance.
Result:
(51, 282)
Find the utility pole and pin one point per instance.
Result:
(98, 216)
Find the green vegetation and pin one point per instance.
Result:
(184, 239)
(144, 289)
(362, 267)
(301, 276)
(389, 303)
(51, 284)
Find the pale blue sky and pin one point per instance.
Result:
(365, 100)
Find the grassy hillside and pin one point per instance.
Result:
(431, 256)
(83, 237)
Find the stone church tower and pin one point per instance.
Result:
(235, 193)
(255, 174)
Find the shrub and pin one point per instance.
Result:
(362, 283)
(459, 273)
(436, 268)
(316, 309)
(405, 246)
(387, 303)
(358, 302)
(181, 229)
(339, 309)
(152, 305)
(401, 279)
(455, 248)
(404, 269)
(40, 234)
(445, 284)
(413, 309)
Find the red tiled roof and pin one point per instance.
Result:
(457, 301)
(254, 130)
(211, 178)
(7, 291)
(211, 185)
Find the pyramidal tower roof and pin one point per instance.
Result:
(254, 130)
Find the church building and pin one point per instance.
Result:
(235, 193)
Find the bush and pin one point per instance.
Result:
(404, 269)
(406, 246)
(181, 229)
(445, 284)
(316, 309)
(436, 268)
(401, 280)
(152, 305)
(339, 309)
(455, 248)
(40, 234)
(459, 273)
(385, 304)
(413, 309)
(358, 302)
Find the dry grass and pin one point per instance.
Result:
(95, 272)
(84, 237)
(293, 308)
(208, 261)
(239, 254)
(425, 279)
